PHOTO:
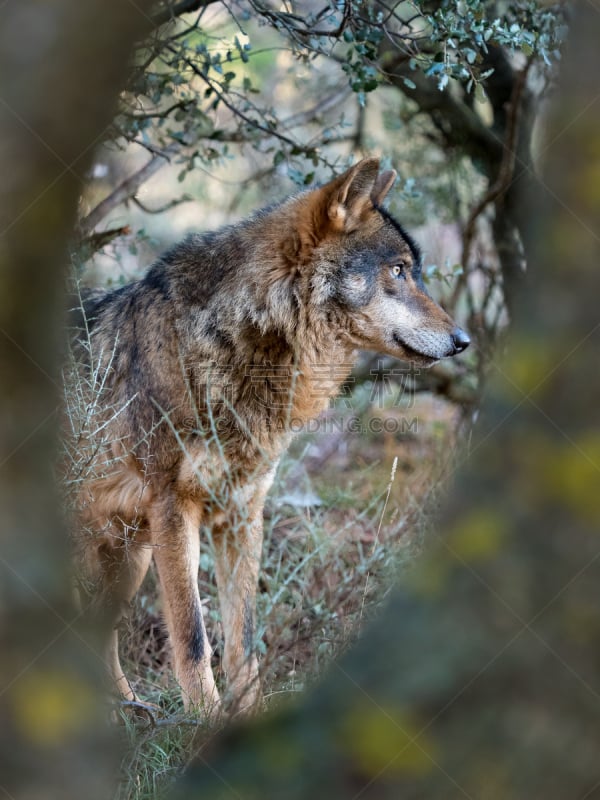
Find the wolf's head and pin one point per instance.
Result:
(366, 267)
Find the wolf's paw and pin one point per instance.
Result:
(207, 705)
(246, 700)
(138, 711)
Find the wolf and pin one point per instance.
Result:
(200, 368)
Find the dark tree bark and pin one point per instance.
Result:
(482, 676)
(501, 152)
(61, 66)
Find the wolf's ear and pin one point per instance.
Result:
(383, 184)
(351, 194)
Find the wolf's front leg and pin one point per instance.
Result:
(175, 532)
(238, 545)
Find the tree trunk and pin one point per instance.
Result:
(489, 148)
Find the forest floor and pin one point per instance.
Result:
(349, 510)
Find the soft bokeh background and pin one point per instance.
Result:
(223, 110)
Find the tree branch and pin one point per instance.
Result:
(143, 115)
(174, 10)
(125, 190)
(460, 125)
(234, 110)
(177, 201)
(507, 165)
(97, 241)
(321, 107)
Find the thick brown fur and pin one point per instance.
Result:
(203, 367)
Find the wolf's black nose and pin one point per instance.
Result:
(460, 340)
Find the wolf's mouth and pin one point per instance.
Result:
(412, 353)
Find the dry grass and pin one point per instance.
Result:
(337, 533)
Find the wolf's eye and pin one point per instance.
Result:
(398, 270)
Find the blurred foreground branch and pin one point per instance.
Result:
(61, 67)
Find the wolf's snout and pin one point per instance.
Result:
(460, 340)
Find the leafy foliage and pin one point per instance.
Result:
(199, 64)
(448, 91)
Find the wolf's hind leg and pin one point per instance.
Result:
(237, 559)
(238, 544)
(175, 531)
(134, 568)
(121, 563)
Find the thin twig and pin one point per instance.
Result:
(376, 541)
(177, 201)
